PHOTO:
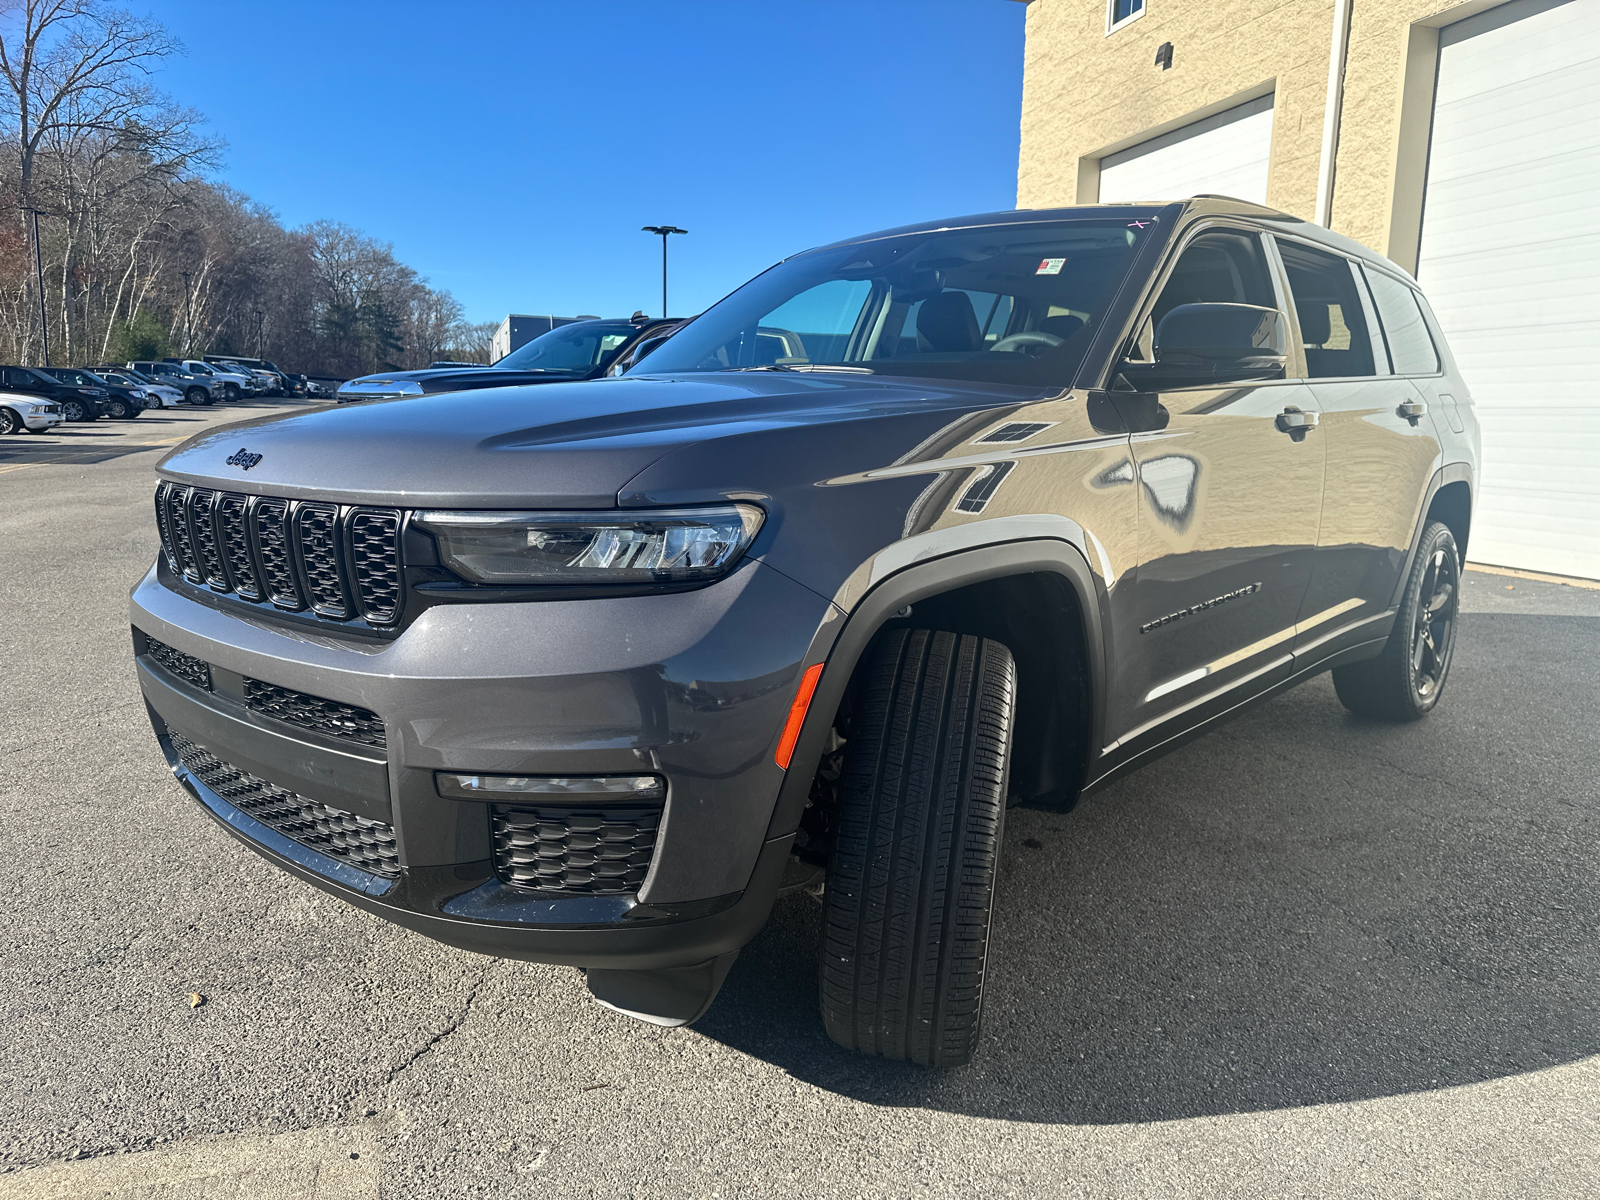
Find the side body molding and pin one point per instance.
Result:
(842, 651)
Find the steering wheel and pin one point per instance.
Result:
(1036, 337)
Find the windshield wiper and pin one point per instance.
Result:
(806, 367)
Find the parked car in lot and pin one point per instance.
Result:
(121, 402)
(157, 395)
(235, 384)
(578, 350)
(318, 391)
(197, 389)
(275, 380)
(21, 412)
(78, 402)
(908, 529)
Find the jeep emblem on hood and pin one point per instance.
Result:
(243, 458)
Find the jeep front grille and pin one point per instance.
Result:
(340, 562)
(366, 844)
(591, 851)
(313, 712)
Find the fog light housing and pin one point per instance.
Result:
(585, 789)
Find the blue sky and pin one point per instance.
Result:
(511, 151)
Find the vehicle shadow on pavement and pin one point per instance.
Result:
(1303, 907)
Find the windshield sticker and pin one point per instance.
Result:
(1051, 266)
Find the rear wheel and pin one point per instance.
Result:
(1405, 681)
(911, 873)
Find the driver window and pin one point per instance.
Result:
(1220, 267)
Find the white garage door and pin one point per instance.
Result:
(1510, 258)
(1225, 155)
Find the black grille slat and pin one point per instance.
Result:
(185, 666)
(178, 531)
(375, 563)
(232, 516)
(362, 843)
(342, 563)
(313, 712)
(317, 533)
(203, 530)
(592, 851)
(269, 522)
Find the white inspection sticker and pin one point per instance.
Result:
(1051, 266)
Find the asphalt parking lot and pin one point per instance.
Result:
(1305, 956)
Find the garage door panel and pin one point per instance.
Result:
(1510, 259)
(1226, 154)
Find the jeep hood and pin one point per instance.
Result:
(563, 445)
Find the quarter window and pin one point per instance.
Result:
(1411, 347)
(1332, 325)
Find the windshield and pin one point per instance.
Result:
(580, 346)
(1006, 304)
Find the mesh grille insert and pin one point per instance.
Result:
(270, 518)
(589, 851)
(185, 666)
(313, 712)
(368, 845)
(208, 555)
(375, 563)
(236, 545)
(318, 527)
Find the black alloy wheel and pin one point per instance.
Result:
(10, 422)
(916, 846)
(1405, 681)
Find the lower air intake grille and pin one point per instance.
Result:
(313, 712)
(593, 851)
(185, 666)
(368, 845)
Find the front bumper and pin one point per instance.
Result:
(38, 424)
(694, 686)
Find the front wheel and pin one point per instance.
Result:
(118, 408)
(76, 410)
(11, 422)
(198, 396)
(911, 873)
(1405, 681)
(230, 392)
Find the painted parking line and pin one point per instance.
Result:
(69, 455)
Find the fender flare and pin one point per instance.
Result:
(1456, 472)
(841, 651)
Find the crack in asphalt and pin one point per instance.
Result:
(455, 1024)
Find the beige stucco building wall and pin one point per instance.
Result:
(1086, 95)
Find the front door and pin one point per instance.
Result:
(1229, 501)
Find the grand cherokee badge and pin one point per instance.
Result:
(244, 459)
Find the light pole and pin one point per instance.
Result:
(38, 265)
(665, 232)
(188, 315)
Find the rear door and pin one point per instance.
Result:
(1229, 504)
(1381, 448)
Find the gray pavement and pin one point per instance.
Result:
(1304, 956)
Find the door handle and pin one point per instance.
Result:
(1295, 422)
(1412, 410)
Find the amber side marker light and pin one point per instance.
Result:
(797, 715)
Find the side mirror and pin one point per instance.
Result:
(1197, 344)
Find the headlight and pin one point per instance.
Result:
(680, 545)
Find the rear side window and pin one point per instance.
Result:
(1411, 347)
(1332, 325)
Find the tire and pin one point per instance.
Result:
(198, 396)
(1406, 680)
(76, 410)
(230, 392)
(118, 408)
(11, 422)
(911, 873)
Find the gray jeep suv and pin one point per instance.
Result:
(908, 529)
